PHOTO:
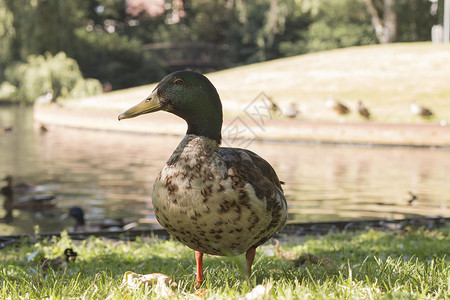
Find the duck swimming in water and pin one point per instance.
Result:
(77, 213)
(216, 200)
(20, 187)
(29, 200)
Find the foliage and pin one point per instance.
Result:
(415, 20)
(246, 32)
(412, 263)
(6, 36)
(203, 12)
(41, 74)
(7, 91)
(116, 59)
(339, 24)
(279, 31)
(106, 38)
(43, 26)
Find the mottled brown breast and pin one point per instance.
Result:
(218, 200)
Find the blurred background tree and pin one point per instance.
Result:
(123, 43)
(342, 23)
(401, 20)
(42, 25)
(55, 76)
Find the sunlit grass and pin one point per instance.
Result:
(409, 264)
(387, 78)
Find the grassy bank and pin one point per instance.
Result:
(386, 78)
(408, 264)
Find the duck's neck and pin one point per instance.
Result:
(204, 120)
(7, 190)
(81, 221)
(194, 148)
(210, 128)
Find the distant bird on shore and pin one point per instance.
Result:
(216, 200)
(273, 106)
(338, 107)
(420, 110)
(77, 213)
(363, 111)
(292, 111)
(412, 197)
(43, 129)
(6, 129)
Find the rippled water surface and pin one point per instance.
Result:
(111, 174)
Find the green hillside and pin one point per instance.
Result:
(386, 78)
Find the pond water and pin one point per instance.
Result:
(110, 175)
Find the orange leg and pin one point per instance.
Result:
(199, 260)
(250, 256)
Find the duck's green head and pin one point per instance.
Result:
(189, 95)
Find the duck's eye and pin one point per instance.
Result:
(179, 81)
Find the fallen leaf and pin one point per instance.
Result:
(162, 284)
(288, 255)
(259, 292)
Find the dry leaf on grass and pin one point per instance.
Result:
(288, 255)
(162, 284)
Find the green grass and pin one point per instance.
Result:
(409, 264)
(387, 78)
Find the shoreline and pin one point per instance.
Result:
(239, 131)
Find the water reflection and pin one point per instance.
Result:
(110, 175)
(353, 182)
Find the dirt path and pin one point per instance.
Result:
(241, 130)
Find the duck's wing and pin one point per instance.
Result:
(249, 168)
(253, 169)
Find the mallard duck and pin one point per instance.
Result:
(28, 201)
(77, 213)
(215, 200)
(412, 197)
(19, 186)
(35, 202)
(363, 111)
(59, 263)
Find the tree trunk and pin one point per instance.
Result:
(386, 28)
